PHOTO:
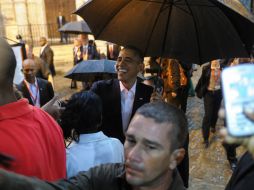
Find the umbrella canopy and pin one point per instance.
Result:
(78, 27)
(98, 69)
(189, 30)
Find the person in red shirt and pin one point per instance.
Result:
(28, 135)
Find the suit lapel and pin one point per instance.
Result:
(26, 93)
(117, 98)
(44, 52)
(138, 100)
(41, 91)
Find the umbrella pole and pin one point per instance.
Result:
(196, 29)
(167, 25)
(154, 25)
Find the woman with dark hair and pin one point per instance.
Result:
(89, 147)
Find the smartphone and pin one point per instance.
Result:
(238, 95)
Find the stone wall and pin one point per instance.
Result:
(18, 17)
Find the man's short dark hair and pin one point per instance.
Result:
(136, 51)
(8, 61)
(162, 112)
(82, 115)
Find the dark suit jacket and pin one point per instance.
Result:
(48, 56)
(59, 23)
(243, 176)
(45, 89)
(109, 91)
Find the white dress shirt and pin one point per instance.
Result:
(127, 99)
(42, 48)
(92, 150)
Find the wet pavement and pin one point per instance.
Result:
(209, 169)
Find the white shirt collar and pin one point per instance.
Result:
(43, 47)
(133, 88)
(35, 82)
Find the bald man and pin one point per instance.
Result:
(38, 91)
(29, 135)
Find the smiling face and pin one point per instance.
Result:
(147, 152)
(128, 65)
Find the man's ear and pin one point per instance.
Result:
(176, 158)
(141, 67)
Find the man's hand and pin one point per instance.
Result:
(173, 94)
(247, 142)
(156, 97)
(53, 108)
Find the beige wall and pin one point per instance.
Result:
(17, 16)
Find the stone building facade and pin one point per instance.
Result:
(34, 18)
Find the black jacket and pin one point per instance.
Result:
(243, 176)
(103, 177)
(109, 92)
(45, 89)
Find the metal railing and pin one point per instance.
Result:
(32, 33)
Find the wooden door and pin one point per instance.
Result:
(53, 8)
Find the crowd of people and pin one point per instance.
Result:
(118, 134)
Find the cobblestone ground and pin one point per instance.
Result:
(209, 169)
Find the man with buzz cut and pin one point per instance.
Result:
(152, 151)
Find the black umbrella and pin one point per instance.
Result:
(189, 30)
(96, 69)
(78, 27)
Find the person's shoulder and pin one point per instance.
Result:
(45, 119)
(110, 170)
(206, 66)
(115, 141)
(20, 85)
(48, 48)
(104, 83)
(146, 87)
(43, 81)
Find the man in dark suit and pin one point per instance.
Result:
(47, 55)
(38, 91)
(121, 97)
(42, 68)
(60, 22)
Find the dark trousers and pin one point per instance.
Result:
(63, 36)
(183, 167)
(212, 101)
(73, 83)
(184, 98)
